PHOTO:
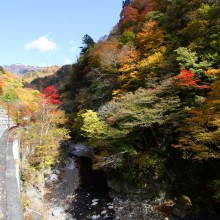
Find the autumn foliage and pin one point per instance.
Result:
(187, 78)
(52, 95)
(1, 86)
(128, 16)
(151, 90)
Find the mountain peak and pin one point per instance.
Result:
(19, 68)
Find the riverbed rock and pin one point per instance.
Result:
(79, 150)
(110, 207)
(54, 178)
(135, 209)
(94, 204)
(95, 200)
(48, 182)
(60, 196)
(57, 172)
(104, 212)
(57, 211)
(95, 217)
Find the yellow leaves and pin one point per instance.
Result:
(129, 76)
(155, 58)
(127, 68)
(92, 127)
(48, 154)
(59, 117)
(208, 137)
(213, 73)
(116, 94)
(134, 74)
(29, 97)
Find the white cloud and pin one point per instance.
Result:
(42, 44)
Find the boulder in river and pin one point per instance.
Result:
(79, 150)
(57, 211)
(54, 178)
(95, 217)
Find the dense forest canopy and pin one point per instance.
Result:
(146, 98)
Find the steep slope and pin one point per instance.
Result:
(146, 98)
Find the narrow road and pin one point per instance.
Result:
(2, 175)
(5, 122)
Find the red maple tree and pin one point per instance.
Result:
(187, 78)
(52, 95)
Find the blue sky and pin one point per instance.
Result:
(49, 32)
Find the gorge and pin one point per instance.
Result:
(131, 129)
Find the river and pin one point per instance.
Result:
(80, 192)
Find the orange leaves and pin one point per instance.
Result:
(128, 66)
(135, 13)
(150, 38)
(106, 52)
(128, 54)
(1, 86)
(187, 78)
(129, 16)
(1, 83)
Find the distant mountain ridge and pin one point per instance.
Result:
(20, 68)
(39, 73)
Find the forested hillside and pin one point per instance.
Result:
(58, 78)
(40, 121)
(146, 98)
(39, 73)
